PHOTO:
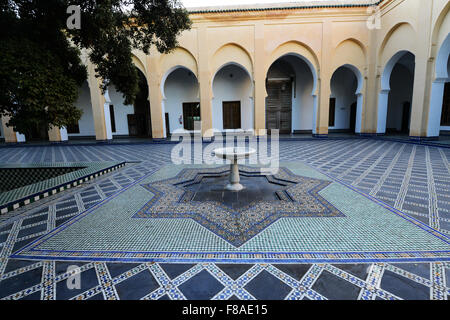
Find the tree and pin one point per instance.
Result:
(40, 65)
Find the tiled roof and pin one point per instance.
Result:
(286, 6)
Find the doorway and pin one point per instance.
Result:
(191, 113)
(231, 112)
(139, 123)
(167, 125)
(353, 108)
(406, 117)
(279, 106)
(445, 118)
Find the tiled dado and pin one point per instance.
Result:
(19, 197)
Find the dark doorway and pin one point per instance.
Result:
(445, 118)
(136, 125)
(167, 125)
(406, 116)
(73, 128)
(191, 113)
(332, 112)
(353, 108)
(139, 123)
(279, 106)
(231, 112)
(112, 118)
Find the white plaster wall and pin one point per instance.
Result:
(237, 88)
(86, 123)
(120, 111)
(303, 103)
(180, 86)
(401, 84)
(343, 87)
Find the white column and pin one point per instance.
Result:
(315, 111)
(107, 116)
(359, 107)
(383, 98)
(20, 137)
(435, 113)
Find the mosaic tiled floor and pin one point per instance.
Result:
(326, 222)
(390, 179)
(23, 184)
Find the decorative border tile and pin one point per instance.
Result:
(14, 199)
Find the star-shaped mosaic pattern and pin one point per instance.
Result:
(298, 197)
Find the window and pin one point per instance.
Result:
(332, 112)
(113, 119)
(231, 112)
(191, 113)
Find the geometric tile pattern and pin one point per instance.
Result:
(14, 178)
(153, 281)
(38, 181)
(179, 231)
(237, 226)
(399, 174)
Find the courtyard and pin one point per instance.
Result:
(344, 218)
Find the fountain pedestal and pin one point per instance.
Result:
(234, 155)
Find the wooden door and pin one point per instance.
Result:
(231, 113)
(279, 106)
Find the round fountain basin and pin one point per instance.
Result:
(234, 154)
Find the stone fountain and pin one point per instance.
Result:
(234, 155)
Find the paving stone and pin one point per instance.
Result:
(202, 286)
(296, 271)
(173, 270)
(20, 282)
(420, 269)
(358, 270)
(334, 288)
(403, 287)
(234, 271)
(137, 286)
(267, 287)
(88, 280)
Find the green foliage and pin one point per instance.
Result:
(41, 70)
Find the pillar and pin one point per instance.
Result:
(372, 86)
(422, 75)
(259, 75)
(205, 85)
(321, 112)
(56, 134)
(361, 102)
(100, 107)
(156, 99)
